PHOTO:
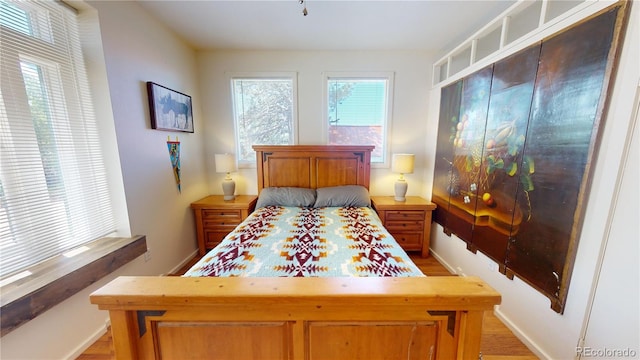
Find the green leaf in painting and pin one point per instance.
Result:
(469, 164)
(527, 184)
(513, 149)
(491, 160)
(528, 165)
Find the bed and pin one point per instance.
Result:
(317, 302)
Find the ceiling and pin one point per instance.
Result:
(330, 24)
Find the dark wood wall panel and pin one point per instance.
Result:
(514, 163)
(448, 119)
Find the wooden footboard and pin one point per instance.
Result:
(296, 318)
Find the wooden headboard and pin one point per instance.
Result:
(313, 166)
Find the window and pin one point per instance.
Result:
(264, 112)
(54, 194)
(358, 111)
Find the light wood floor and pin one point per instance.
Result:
(498, 342)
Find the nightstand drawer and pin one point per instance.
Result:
(409, 241)
(218, 215)
(222, 227)
(395, 226)
(404, 215)
(220, 224)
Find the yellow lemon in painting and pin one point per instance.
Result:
(488, 199)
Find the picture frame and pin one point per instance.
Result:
(170, 110)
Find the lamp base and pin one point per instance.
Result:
(228, 189)
(400, 190)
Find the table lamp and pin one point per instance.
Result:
(226, 163)
(402, 164)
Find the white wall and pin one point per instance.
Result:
(139, 49)
(136, 49)
(526, 311)
(620, 260)
(412, 72)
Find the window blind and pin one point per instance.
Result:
(54, 194)
(358, 112)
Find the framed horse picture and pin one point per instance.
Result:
(170, 110)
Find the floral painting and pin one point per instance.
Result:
(516, 143)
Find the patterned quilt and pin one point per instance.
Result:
(308, 242)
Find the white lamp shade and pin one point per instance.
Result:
(225, 163)
(402, 163)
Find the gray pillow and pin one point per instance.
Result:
(340, 196)
(286, 196)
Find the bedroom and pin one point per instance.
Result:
(135, 50)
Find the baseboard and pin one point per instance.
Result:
(521, 335)
(90, 341)
(441, 261)
(183, 263)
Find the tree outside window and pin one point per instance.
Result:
(264, 113)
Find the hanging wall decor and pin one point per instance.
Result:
(516, 146)
(170, 110)
(174, 154)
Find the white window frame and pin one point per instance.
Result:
(369, 75)
(289, 75)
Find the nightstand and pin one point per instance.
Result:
(215, 217)
(408, 221)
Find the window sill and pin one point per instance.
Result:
(57, 279)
